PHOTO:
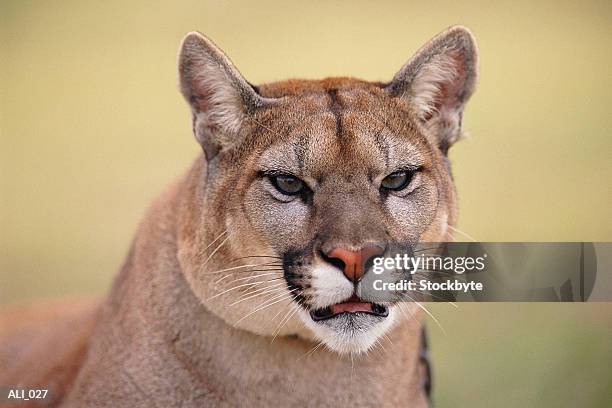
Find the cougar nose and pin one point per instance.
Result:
(353, 263)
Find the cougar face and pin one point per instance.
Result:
(304, 183)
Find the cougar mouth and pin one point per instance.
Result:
(352, 305)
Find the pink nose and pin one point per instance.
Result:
(355, 261)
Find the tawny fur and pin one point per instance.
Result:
(166, 335)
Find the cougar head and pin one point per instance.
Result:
(302, 183)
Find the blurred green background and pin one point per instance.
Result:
(93, 128)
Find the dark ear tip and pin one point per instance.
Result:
(460, 30)
(463, 36)
(192, 35)
(192, 40)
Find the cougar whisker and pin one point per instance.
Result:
(216, 250)
(238, 267)
(465, 234)
(312, 350)
(247, 277)
(237, 287)
(283, 297)
(252, 294)
(283, 322)
(420, 305)
(269, 289)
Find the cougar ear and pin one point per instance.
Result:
(438, 81)
(220, 98)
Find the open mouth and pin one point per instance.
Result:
(352, 305)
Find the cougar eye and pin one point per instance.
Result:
(397, 181)
(288, 185)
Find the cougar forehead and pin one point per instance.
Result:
(340, 126)
(341, 130)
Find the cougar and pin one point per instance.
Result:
(242, 284)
